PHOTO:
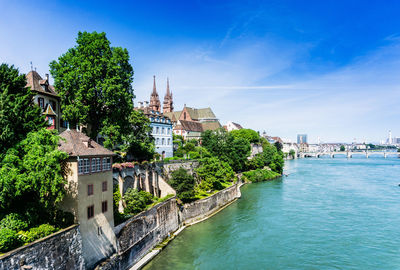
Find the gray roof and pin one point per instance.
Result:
(78, 144)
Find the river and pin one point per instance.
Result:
(327, 214)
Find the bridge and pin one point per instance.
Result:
(348, 154)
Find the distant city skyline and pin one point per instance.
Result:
(329, 69)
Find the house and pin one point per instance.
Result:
(89, 197)
(161, 124)
(232, 126)
(46, 98)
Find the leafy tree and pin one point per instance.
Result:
(342, 148)
(183, 183)
(227, 148)
(214, 173)
(248, 134)
(278, 146)
(277, 163)
(139, 143)
(136, 201)
(18, 115)
(31, 181)
(292, 153)
(94, 81)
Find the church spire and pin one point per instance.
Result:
(155, 104)
(168, 105)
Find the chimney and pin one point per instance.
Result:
(47, 76)
(146, 104)
(140, 104)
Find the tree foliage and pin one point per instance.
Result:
(183, 183)
(136, 201)
(94, 81)
(250, 135)
(139, 144)
(228, 148)
(18, 115)
(31, 181)
(214, 173)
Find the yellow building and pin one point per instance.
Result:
(90, 194)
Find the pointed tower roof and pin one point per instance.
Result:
(168, 92)
(154, 86)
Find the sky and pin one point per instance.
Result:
(329, 69)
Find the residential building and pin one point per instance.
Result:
(89, 197)
(161, 125)
(191, 122)
(232, 126)
(301, 138)
(303, 147)
(46, 98)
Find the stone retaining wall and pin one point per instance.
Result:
(201, 209)
(61, 250)
(143, 232)
(171, 166)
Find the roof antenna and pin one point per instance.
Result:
(31, 66)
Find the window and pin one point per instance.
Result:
(157, 141)
(80, 166)
(106, 164)
(90, 211)
(86, 165)
(184, 116)
(104, 206)
(169, 141)
(98, 164)
(94, 164)
(90, 189)
(163, 131)
(157, 130)
(83, 165)
(41, 102)
(104, 186)
(163, 141)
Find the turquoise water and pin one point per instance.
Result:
(327, 214)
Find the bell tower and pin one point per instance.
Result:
(168, 104)
(155, 104)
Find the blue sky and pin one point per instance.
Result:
(326, 68)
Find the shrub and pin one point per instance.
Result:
(183, 183)
(136, 201)
(37, 233)
(8, 240)
(214, 173)
(13, 221)
(260, 175)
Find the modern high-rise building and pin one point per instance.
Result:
(301, 138)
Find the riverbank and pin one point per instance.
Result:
(192, 220)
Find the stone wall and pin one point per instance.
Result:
(201, 209)
(61, 250)
(143, 232)
(172, 165)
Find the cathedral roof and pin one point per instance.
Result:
(198, 114)
(211, 125)
(190, 126)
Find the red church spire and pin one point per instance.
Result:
(155, 104)
(168, 105)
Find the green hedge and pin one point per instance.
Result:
(260, 175)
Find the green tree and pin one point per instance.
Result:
(342, 148)
(183, 183)
(18, 115)
(139, 143)
(31, 177)
(228, 148)
(248, 134)
(277, 163)
(292, 153)
(214, 173)
(94, 81)
(278, 146)
(136, 201)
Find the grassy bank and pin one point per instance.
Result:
(260, 175)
